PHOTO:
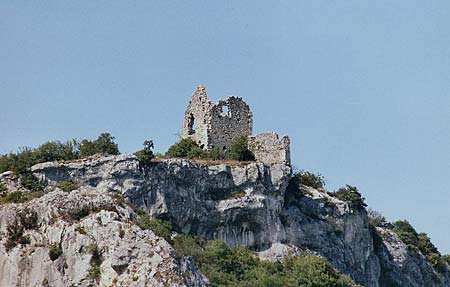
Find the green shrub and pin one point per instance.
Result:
(30, 182)
(19, 196)
(25, 219)
(159, 227)
(376, 218)
(94, 272)
(80, 229)
(105, 144)
(237, 193)
(216, 154)
(419, 242)
(189, 245)
(78, 213)
(239, 150)
(54, 251)
(351, 195)
(188, 148)
(15, 235)
(446, 258)
(21, 161)
(225, 266)
(145, 155)
(55, 150)
(309, 179)
(185, 148)
(67, 185)
(2, 188)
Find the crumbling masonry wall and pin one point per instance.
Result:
(217, 125)
(230, 118)
(270, 149)
(197, 118)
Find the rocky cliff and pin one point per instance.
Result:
(249, 205)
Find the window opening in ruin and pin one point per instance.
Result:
(225, 111)
(191, 124)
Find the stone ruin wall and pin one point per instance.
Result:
(270, 149)
(230, 118)
(197, 119)
(216, 125)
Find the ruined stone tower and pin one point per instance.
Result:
(217, 125)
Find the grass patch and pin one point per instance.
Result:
(20, 196)
(54, 251)
(80, 229)
(237, 194)
(2, 188)
(67, 185)
(76, 214)
(94, 272)
(160, 227)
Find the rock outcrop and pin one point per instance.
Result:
(128, 256)
(252, 205)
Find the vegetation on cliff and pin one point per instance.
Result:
(233, 267)
(187, 148)
(22, 160)
(419, 242)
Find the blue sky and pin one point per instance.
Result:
(361, 87)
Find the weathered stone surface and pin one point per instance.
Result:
(216, 125)
(129, 255)
(247, 205)
(10, 181)
(270, 149)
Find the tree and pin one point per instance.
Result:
(145, 155)
(185, 148)
(309, 179)
(351, 195)
(105, 144)
(87, 148)
(239, 150)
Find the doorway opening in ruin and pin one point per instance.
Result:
(225, 111)
(191, 124)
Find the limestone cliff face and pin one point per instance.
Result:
(129, 256)
(250, 205)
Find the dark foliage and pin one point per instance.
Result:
(376, 218)
(54, 251)
(235, 267)
(239, 150)
(186, 148)
(419, 242)
(158, 226)
(25, 219)
(351, 195)
(78, 213)
(19, 196)
(67, 185)
(94, 272)
(308, 178)
(145, 155)
(21, 161)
